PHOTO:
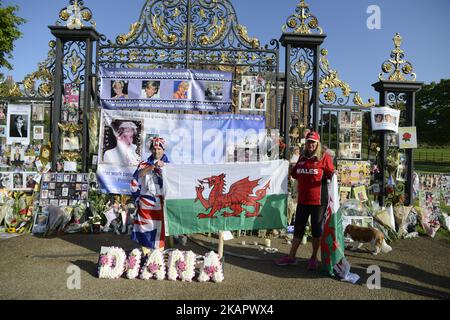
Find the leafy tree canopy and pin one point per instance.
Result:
(9, 32)
(433, 113)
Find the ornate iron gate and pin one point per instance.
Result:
(197, 34)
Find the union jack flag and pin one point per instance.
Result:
(148, 227)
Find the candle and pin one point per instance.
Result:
(267, 242)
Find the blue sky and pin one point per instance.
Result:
(354, 51)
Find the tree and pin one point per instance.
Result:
(9, 32)
(433, 113)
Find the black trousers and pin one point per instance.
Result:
(302, 214)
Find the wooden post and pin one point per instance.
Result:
(220, 248)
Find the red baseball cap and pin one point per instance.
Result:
(313, 136)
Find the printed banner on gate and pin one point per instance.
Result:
(212, 198)
(166, 89)
(125, 140)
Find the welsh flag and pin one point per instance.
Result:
(218, 197)
(332, 241)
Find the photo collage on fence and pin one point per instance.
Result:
(22, 135)
(353, 179)
(63, 189)
(434, 200)
(350, 134)
(253, 96)
(252, 149)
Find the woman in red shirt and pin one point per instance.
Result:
(312, 170)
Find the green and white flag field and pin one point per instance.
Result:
(218, 197)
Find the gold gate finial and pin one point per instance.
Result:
(302, 21)
(397, 66)
(74, 14)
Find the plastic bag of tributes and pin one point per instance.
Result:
(354, 207)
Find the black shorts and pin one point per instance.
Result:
(301, 219)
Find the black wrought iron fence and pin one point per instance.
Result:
(426, 156)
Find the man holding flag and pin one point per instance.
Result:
(146, 189)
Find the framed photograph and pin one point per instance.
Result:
(361, 221)
(18, 181)
(29, 180)
(44, 194)
(122, 142)
(360, 193)
(407, 137)
(356, 121)
(38, 112)
(94, 160)
(5, 180)
(344, 194)
(401, 173)
(18, 124)
(17, 157)
(181, 90)
(344, 118)
(213, 91)
(71, 143)
(260, 101)
(119, 89)
(38, 132)
(150, 89)
(384, 118)
(245, 101)
(2, 111)
(248, 83)
(2, 131)
(392, 139)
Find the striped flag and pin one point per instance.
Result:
(148, 227)
(332, 240)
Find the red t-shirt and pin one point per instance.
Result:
(312, 175)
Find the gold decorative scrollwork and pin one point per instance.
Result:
(123, 38)
(70, 127)
(45, 88)
(64, 15)
(330, 96)
(74, 13)
(397, 67)
(302, 22)
(71, 156)
(9, 89)
(332, 81)
(358, 101)
(324, 60)
(253, 42)
(219, 26)
(157, 25)
(74, 61)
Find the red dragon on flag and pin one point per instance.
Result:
(240, 194)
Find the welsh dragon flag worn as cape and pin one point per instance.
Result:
(332, 241)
